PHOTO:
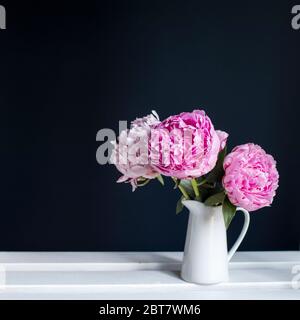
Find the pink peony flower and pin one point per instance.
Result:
(251, 177)
(223, 138)
(185, 145)
(130, 154)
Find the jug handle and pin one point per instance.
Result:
(242, 234)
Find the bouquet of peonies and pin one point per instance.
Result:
(187, 148)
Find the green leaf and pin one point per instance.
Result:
(187, 185)
(142, 181)
(177, 182)
(179, 205)
(161, 179)
(222, 154)
(204, 193)
(215, 199)
(217, 173)
(228, 211)
(201, 181)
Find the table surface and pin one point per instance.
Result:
(143, 275)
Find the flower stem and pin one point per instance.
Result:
(202, 182)
(195, 187)
(183, 192)
(181, 188)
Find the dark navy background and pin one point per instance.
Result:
(68, 70)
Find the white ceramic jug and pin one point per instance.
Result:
(205, 259)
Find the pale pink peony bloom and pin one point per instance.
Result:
(251, 177)
(146, 122)
(185, 145)
(223, 138)
(130, 153)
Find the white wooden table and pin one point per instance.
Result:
(142, 275)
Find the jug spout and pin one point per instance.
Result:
(193, 205)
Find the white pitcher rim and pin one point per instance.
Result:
(189, 200)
